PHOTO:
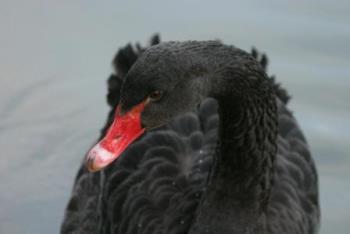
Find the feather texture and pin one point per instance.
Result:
(157, 184)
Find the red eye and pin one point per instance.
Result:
(156, 95)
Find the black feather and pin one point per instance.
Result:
(157, 184)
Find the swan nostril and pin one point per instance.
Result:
(116, 139)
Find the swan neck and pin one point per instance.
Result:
(239, 184)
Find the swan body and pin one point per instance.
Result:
(229, 156)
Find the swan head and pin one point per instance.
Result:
(162, 84)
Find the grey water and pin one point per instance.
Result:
(55, 58)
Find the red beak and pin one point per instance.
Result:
(125, 129)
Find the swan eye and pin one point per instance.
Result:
(156, 95)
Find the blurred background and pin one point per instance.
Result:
(55, 57)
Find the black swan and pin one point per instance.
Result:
(198, 140)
